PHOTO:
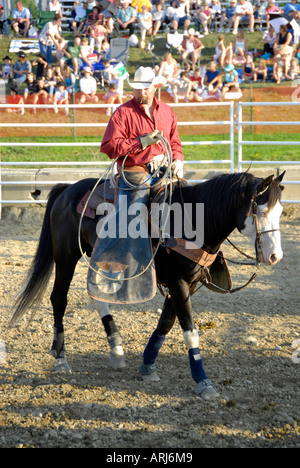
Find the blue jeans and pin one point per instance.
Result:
(46, 52)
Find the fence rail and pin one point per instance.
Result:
(230, 123)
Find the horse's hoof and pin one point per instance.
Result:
(206, 390)
(117, 360)
(148, 373)
(61, 365)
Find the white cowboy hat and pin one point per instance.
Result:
(88, 70)
(145, 77)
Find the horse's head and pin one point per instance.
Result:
(261, 223)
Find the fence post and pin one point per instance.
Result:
(240, 135)
(232, 137)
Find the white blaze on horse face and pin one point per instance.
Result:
(270, 241)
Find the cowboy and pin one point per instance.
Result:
(132, 138)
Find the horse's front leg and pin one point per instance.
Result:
(182, 304)
(114, 339)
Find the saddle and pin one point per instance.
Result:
(217, 276)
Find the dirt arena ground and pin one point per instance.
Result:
(248, 344)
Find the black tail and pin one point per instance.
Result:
(34, 286)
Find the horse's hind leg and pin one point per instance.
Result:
(114, 339)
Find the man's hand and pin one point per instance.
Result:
(149, 139)
(177, 168)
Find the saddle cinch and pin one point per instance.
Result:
(111, 283)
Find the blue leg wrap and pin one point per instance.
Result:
(196, 365)
(152, 348)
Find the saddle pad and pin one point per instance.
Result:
(103, 192)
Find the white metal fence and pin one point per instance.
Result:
(229, 124)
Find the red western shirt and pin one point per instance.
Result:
(129, 122)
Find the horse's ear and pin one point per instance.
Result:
(264, 184)
(279, 178)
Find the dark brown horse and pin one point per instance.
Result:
(242, 201)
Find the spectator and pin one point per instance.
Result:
(72, 50)
(292, 9)
(294, 70)
(55, 6)
(21, 68)
(217, 10)
(230, 80)
(88, 87)
(97, 36)
(223, 54)
(269, 41)
(92, 17)
(240, 46)
(41, 65)
(4, 22)
(168, 68)
(212, 77)
(144, 20)
(248, 68)
(119, 85)
(227, 17)
(178, 15)
(126, 17)
(49, 82)
(159, 16)
(278, 73)
(60, 44)
(61, 97)
(42, 95)
(183, 87)
(20, 19)
(244, 13)
(261, 71)
(47, 36)
(78, 14)
(191, 45)
(69, 79)
(112, 96)
(271, 8)
(30, 91)
(205, 14)
(197, 88)
(7, 69)
(138, 5)
(283, 50)
(15, 98)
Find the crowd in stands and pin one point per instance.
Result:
(79, 61)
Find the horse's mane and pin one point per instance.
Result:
(226, 192)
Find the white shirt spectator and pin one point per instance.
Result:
(88, 85)
(24, 13)
(246, 8)
(61, 95)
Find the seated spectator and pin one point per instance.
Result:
(41, 65)
(240, 47)
(230, 80)
(144, 20)
(197, 87)
(48, 34)
(42, 95)
(168, 68)
(61, 97)
(98, 34)
(212, 82)
(72, 50)
(87, 52)
(283, 50)
(158, 15)
(69, 79)
(216, 8)
(15, 98)
(227, 17)
(294, 70)
(191, 46)
(20, 19)
(88, 87)
(7, 69)
(49, 82)
(205, 14)
(21, 68)
(261, 71)
(119, 85)
(278, 73)
(55, 6)
(223, 54)
(259, 9)
(292, 9)
(248, 68)
(244, 13)
(178, 15)
(126, 17)
(78, 14)
(138, 5)
(183, 87)
(269, 41)
(31, 88)
(111, 96)
(4, 22)
(271, 8)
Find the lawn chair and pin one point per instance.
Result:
(44, 17)
(119, 49)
